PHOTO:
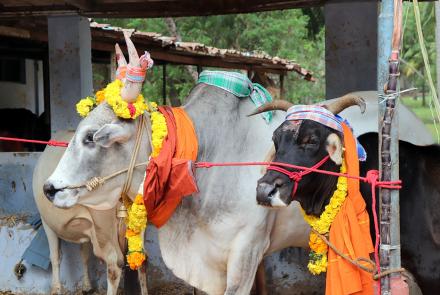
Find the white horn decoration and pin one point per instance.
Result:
(132, 88)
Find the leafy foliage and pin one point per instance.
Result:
(291, 34)
(412, 62)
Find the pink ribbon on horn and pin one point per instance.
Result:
(137, 74)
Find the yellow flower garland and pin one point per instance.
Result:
(159, 131)
(136, 223)
(137, 214)
(112, 95)
(318, 254)
(85, 105)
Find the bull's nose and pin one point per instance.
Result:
(264, 191)
(49, 191)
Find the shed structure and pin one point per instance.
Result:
(54, 54)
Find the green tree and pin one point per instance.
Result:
(288, 34)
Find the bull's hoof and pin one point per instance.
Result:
(56, 291)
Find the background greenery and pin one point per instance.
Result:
(293, 34)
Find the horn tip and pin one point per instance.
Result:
(362, 104)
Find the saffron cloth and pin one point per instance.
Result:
(350, 233)
(170, 175)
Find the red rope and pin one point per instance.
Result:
(50, 142)
(295, 175)
(371, 178)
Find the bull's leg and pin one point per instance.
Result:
(54, 248)
(241, 270)
(85, 255)
(114, 272)
(260, 280)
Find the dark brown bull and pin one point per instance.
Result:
(306, 143)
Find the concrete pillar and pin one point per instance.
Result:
(70, 66)
(350, 46)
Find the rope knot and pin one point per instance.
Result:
(295, 176)
(372, 177)
(93, 183)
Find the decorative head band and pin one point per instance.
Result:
(137, 74)
(314, 113)
(325, 117)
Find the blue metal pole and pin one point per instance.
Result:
(384, 35)
(388, 145)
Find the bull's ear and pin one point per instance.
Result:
(334, 148)
(111, 133)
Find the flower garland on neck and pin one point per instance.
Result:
(318, 255)
(112, 95)
(137, 214)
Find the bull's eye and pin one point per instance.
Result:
(310, 141)
(88, 139)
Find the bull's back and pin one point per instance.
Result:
(419, 203)
(70, 224)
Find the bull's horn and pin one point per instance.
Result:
(343, 102)
(120, 58)
(278, 104)
(131, 89)
(132, 52)
(122, 63)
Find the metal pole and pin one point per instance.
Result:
(388, 70)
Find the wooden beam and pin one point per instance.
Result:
(82, 4)
(153, 8)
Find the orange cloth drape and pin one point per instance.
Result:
(350, 233)
(170, 175)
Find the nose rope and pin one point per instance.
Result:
(296, 176)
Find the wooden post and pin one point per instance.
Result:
(113, 66)
(164, 84)
(199, 70)
(282, 93)
(389, 139)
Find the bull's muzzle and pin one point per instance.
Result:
(49, 191)
(269, 195)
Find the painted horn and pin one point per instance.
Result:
(132, 52)
(131, 89)
(278, 104)
(122, 63)
(343, 102)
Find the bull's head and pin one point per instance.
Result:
(103, 143)
(304, 143)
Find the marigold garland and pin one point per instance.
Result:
(85, 105)
(136, 224)
(137, 214)
(318, 254)
(159, 132)
(112, 95)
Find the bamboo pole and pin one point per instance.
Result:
(389, 140)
